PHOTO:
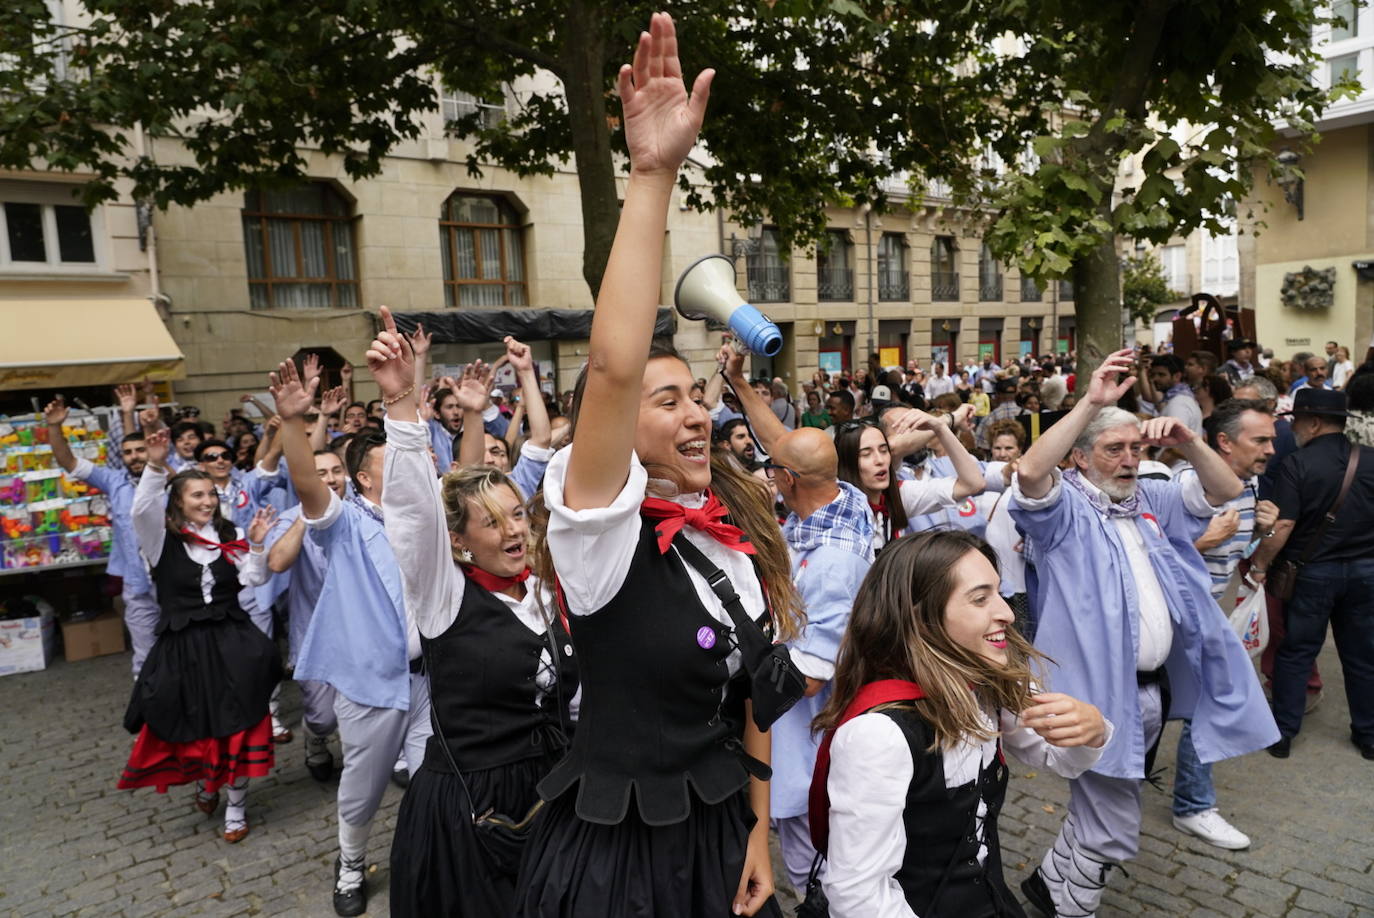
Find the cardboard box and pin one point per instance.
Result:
(94, 637)
(27, 644)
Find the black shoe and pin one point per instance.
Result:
(1366, 749)
(1282, 748)
(401, 778)
(322, 770)
(353, 902)
(1038, 894)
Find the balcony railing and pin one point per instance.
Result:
(769, 283)
(990, 289)
(893, 287)
(835, 285)
(1030, 290)
(944, 286)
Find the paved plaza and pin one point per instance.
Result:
(73, 845)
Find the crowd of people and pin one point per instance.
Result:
(615, 640)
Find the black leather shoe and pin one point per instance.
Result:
(353, 902)
(322, 770)
(1282, 748)
(1366, 749)
(1038, 894)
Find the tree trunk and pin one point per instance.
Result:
(1097, 304)
(585, 89)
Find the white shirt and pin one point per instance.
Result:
(150, 528)
(870, 772)
(592, 549)
(1005, 540)
(919, 497)
(938, 385)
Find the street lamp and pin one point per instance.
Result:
(1290, 178)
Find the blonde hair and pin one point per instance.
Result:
(475, 483)
(897, 631)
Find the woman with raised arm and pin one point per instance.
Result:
(661, 806)
(200, 704)
(501, 672)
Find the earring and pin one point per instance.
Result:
(466, 555)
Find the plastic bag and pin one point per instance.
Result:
(1250, 618)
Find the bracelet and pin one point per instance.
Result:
(1257, 570)
(392, 401)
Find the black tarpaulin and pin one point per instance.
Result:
(483, 326)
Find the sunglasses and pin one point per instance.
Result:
(770, 468)
(215, 457)
(856, 424)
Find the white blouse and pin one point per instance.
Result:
(592, 549)
(870, 772)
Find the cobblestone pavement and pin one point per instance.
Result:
(70, 844)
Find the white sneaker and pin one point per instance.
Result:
(1213, 829)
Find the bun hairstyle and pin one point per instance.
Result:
(176, 516)
(472, 483)
(751, 508)
(897, 631)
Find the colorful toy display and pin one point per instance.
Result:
(47, 518)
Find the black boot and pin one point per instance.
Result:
(352, 900)
(1038, 894)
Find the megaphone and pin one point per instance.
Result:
(706, 290)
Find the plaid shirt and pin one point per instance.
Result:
(1008, 411)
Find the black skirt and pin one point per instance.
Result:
(691, 869)
(438, 865)
(209, 679)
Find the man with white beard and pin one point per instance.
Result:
(1124, 603)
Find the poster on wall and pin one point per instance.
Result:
(1062, 346)
(987, 350)
(890, 356)
(830, 361)
(939, 353)
(1026, 349)
(546, 378)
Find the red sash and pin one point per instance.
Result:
(884, 691)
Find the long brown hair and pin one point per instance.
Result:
(848, 441)
(176, 516)
(751, 508)
(897, 631)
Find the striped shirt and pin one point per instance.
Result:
(1221, 560)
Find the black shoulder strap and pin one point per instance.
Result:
(1351, 464)
(720, 585)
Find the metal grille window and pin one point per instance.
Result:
(944, 274)
(893, 286)
(989, 276)
(769, 278)
(1030, 290)
(483, 251)
(834, 277)
(299, 243)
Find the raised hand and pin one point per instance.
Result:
(661, 120)
(269, 430)
(390, 359)
(426, 406)
(150, 417)
(310, 368)
(519, 355)
(1065, 721)
(346, 373)
(55, 412)
(473, 391)
(420, 340)
(1105, 389)
(293, 398)
(126, 396)
(261, 524)
(333, 400)
(1166, 431)
(159, 442)
(730, 360)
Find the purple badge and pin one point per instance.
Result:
(706, 637)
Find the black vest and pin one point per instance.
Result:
(179, 595)
(481, 675)
(659, 712)
(940, 834)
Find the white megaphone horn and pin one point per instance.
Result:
(706, 290)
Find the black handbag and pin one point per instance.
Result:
(502, 837)
(775, 683)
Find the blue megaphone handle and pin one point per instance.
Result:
(754, 330)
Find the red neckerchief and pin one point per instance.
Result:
(708, 519)
(884, 691)
(494, 583)
(227, 549)
(880, 508)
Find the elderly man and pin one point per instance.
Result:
(1122, 597)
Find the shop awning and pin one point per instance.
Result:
(479, 326)
(51, 343)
